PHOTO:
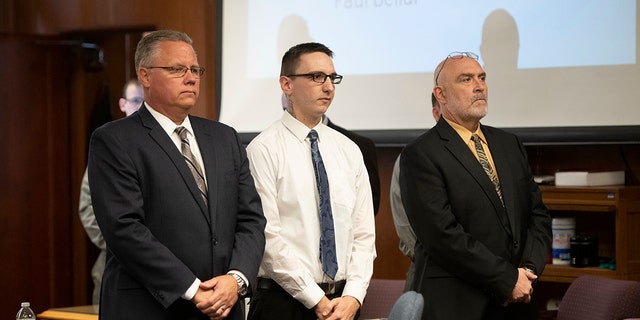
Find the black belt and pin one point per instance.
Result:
(328, 288)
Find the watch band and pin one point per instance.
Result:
(528, 266)
(242, 286)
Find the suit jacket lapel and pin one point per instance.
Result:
(164, 141)
(460, 150)
(505, 175)
(207, 146)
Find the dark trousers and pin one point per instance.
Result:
(277, 304)
(451, 298)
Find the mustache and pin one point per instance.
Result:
(479, 97)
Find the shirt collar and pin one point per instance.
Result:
(464, 133)
(167, 125)
(299, 130)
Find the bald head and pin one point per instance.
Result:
(461, 90)
(456, 55)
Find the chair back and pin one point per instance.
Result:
(380, 298)
(591, 297)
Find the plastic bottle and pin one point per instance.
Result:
(25, 312)
(563, 229)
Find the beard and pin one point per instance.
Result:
(479, 106)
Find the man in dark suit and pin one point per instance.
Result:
(483, 233)
(174, 199)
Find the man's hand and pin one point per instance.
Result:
(324, 308)
(522, 291)
(216, 297)
(341, 308)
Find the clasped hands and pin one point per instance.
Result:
(338, 308)
(523, 290)
(215, 297)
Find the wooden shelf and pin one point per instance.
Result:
(611, 213)
(566, 274)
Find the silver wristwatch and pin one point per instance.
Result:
(242, 286)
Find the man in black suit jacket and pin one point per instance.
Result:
(480, 244)
(174, 251)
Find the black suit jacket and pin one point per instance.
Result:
(368, 149)
(160, 234)
(469, 245)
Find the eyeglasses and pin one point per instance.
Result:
(134, 100)
(180, 71)
(456, 55)
(320, 77)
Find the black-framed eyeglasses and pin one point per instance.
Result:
(456, 55)
(319, 77)
(134, 100)
(180, 71)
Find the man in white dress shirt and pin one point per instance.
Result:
(291, 281)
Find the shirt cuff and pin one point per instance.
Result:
(191, 292)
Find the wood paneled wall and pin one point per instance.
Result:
(198, 18)
(35, 201)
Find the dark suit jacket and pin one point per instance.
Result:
(368, 149)
(160, 234)
(469, 245)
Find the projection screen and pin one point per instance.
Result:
(550, 64)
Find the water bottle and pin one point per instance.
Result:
(25, 312)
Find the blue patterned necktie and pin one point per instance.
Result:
(486, 165)
(327, 234)
(192, 163)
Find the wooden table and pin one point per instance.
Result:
(71, 313)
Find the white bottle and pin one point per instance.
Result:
(25, 312)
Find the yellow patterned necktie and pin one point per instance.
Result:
(486, 165)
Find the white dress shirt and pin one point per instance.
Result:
(281, 165)
(400, 220)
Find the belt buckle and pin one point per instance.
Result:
(331, 288)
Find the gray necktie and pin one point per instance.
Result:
(192, 163)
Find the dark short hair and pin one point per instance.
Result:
(292, 56)
(148, 45)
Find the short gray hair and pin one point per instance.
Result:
(148, 45)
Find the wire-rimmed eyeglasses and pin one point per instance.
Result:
(180, 71)
(319, 77)
(455, 56)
